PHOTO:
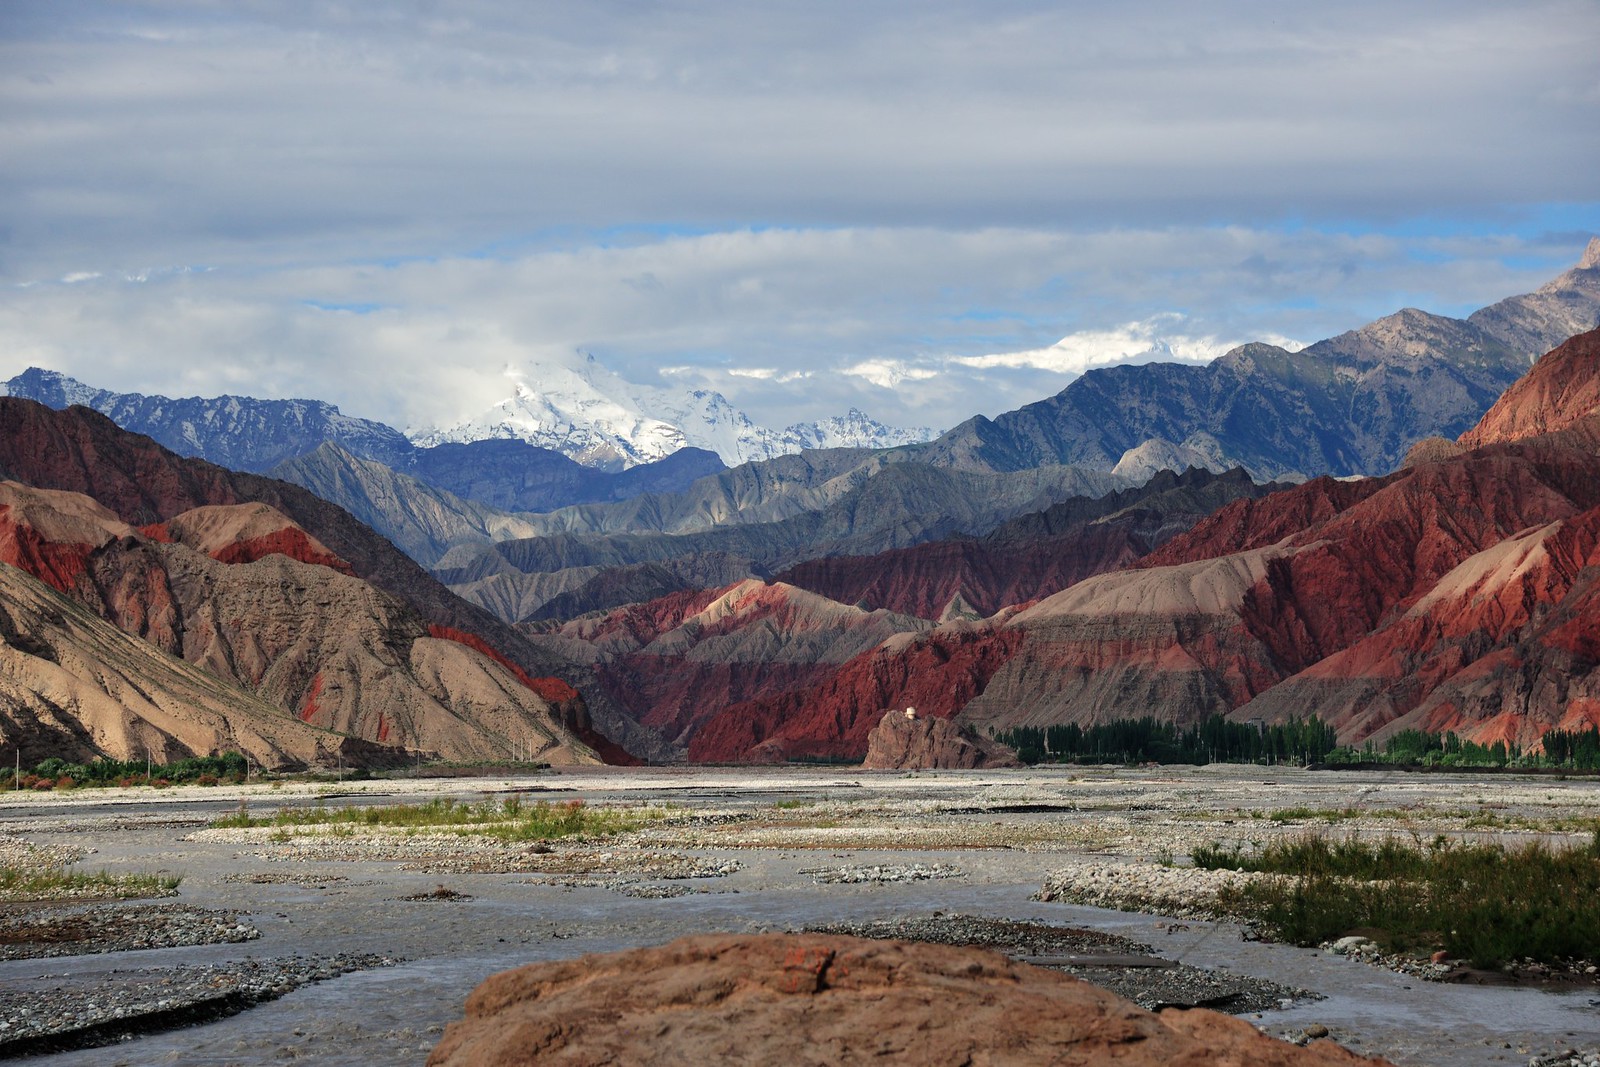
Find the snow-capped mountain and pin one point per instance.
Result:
(601, 420)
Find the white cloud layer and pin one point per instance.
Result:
(791, 325)
(923, 211)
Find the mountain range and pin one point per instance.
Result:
(595, 420)
(1352, 404)
(374, 665)
(1459, 593)
(585, 411)
(1442, 578)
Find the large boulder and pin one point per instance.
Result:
(802, 999)
(903, 742)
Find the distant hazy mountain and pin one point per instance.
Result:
(473, 494)
(1353, 404)
(583, 410)
(237, 432)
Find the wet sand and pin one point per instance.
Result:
(767, 849)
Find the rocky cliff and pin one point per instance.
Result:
(904, 741)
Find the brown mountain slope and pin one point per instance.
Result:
(322, 645)
(82, 451)
(1564, 388)
(73, 685)
(244, 533)
(1029, 557)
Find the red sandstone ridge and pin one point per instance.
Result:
(51, 534)
(927, 579)
(143, 484)
(1030, 557)
(1462, 594)
(813, 999)
(937, 673)
(82, 451)
(677, 661)
(322, 646)
(244, 533)
(1562, 388)
(904, 741)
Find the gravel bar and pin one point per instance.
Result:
(41, 931)
(67, 1011)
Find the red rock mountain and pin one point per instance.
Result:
(679, 660)
(1455, 594)
(73, 685)
(149, 487)
(308, 637)
(1563, 390)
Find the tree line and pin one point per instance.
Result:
(1300, 741)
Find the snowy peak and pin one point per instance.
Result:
(585, 411)
(856, 429)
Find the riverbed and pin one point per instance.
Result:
(370, 942)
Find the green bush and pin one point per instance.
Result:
(1487, 903)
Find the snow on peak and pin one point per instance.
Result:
(583, 410)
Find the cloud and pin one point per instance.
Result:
(889, 373)
(915, 326)
(805, 206)
(1154, 339)
(241, 134)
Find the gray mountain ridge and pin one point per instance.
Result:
(1349, 405)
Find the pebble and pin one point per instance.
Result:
(879, 874)
(77, 929)
(1184, 892)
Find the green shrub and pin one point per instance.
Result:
(1487, 903)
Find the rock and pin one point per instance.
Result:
(825, 999)
(1562, 389)
(1350, 946)
(249, 595)
(902, 742)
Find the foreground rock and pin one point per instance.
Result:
(903, 742)
(825, 999)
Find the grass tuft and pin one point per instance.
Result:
(23, 883)
(511, 820)
(1487, 903)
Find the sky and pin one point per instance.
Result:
(922, 210)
